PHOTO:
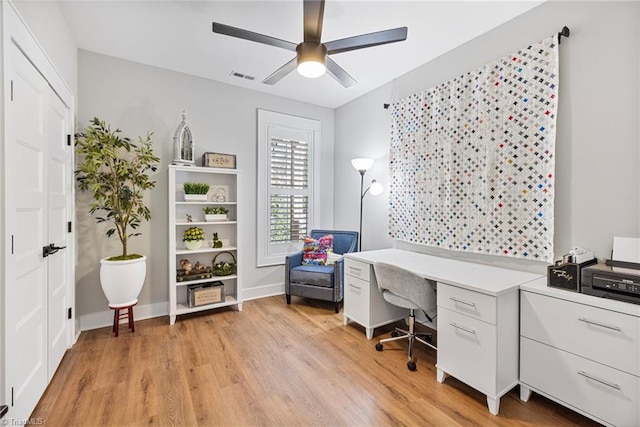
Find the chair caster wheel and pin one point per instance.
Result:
(395, 334)
(379, 347)
(411, 366)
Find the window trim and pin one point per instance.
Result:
(266, 254)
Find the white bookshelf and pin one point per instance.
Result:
(228, 232)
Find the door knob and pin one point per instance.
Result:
(51, 249)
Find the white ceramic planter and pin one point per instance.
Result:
(122, 281)
(215, 217)
(195, 197)
(193, 244)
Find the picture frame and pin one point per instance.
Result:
(219, 160)
(220, 193)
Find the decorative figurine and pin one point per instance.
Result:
(199, 266)
(220, 195)
(189, 218)
(186, 265)
(216, 243)
(183, 145)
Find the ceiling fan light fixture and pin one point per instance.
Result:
(311, 56)
(311, 69)
(311, 59)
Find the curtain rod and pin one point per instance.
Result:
(565, 32)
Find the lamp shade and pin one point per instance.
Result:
(376, 188)
(362, 164)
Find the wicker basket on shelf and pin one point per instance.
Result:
(224, 268)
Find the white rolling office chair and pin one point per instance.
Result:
(406, 289)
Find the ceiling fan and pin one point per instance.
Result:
(312, 57)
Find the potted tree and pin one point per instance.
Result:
(116, 171)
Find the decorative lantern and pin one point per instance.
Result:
(183, 145)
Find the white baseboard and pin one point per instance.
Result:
(263, 291)
(105, 318)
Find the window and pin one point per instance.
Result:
(287, 148)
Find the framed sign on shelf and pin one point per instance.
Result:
(219, 160)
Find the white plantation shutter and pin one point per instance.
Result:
(286, 156)
(289, 190)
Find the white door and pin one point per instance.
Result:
(38, 190)
(58, 189)
(26, 287)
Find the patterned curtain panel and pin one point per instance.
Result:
(472, 159)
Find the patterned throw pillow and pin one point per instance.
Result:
(315, 251)
(332, 257)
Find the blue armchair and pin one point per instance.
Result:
(323, 282)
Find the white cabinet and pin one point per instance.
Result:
(582, 352)
(363, 302)
(478, 340)
(225, 186)
(478, 306)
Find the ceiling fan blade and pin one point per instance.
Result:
(338, 73)
(281, 72)
(251, 36)
(366, 40)
(313, 16)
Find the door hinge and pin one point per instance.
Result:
(69, 140)
(69, 313)
(69, 227)
(12, 90)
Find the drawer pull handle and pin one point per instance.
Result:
(359, 270)
(354, 286)
(615, 328)
(461, 301)
(471, 331)
(601, 381)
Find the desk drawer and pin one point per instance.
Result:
(356, 269)
(467, 349)
(599, 390)
(601, 335)
(470, 303)
(356, 299)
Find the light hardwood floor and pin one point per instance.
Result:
(271, 365)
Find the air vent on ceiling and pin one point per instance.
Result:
(242, 76)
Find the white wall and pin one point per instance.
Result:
(597, 154)
(46, 22)
(139, 98)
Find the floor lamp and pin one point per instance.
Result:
(362, 165)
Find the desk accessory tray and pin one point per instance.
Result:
(567, 275)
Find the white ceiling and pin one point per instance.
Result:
(176, 35)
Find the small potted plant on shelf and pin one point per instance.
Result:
(193, 238)
(116, 172)
(215, 213)
(195, 191)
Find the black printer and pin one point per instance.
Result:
(613, 280)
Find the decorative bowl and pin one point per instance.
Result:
(193, 244)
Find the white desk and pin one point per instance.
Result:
(478, 314)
